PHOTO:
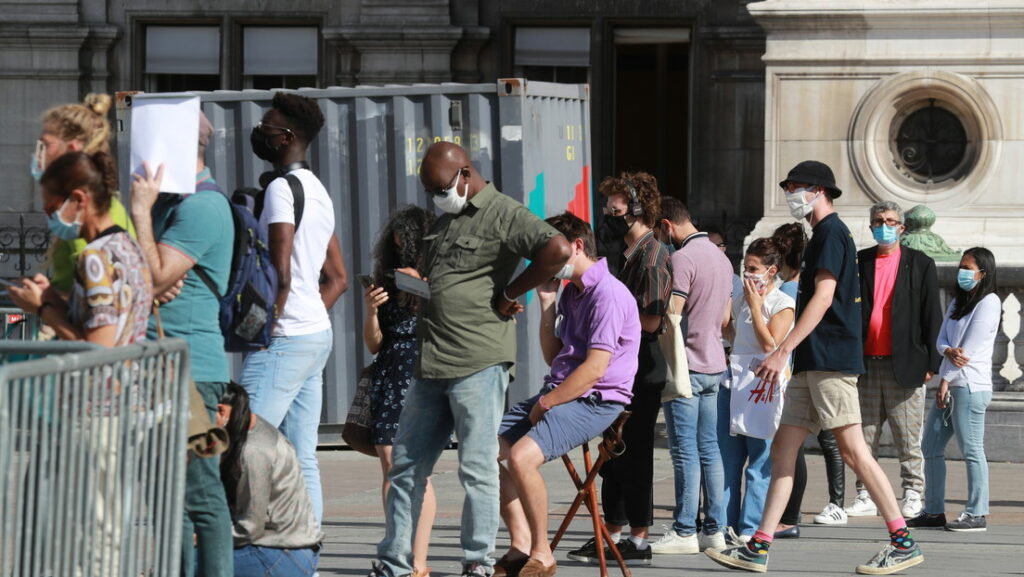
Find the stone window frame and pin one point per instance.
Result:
(875, 123)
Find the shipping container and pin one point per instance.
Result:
(532, 139)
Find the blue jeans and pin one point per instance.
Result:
(473, 406)
(285, 382)
(736, 452)
(966, 418)
(256, 561)
(693, 444)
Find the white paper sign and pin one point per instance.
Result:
(165, 130)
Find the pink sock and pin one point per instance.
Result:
(896, 524)
(766, 537)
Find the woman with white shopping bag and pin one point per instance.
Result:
(749, 409)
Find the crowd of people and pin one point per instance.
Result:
(812, 337)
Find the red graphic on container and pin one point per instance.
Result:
(12, 318)
(580, 204)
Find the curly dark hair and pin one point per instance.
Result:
(237, 428)
(410, 224)
(303, 114)
(646, 186)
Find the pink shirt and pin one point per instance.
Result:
(879, 337)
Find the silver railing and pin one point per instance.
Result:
(92, 458)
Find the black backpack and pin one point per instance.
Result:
(247, 308)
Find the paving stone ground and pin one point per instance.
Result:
(354, 523)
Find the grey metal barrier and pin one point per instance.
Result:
(92, 458)
(532, 139)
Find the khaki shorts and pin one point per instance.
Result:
(817, 400)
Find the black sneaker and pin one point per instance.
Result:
(630, 554)
(377, 570)
(927, 521)
(585, 554)
(967, 523)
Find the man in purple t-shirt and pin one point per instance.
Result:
(701, 290)
(592, 342)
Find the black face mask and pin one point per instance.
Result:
(613, 227)
(261, 147)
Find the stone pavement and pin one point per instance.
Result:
(354, 523)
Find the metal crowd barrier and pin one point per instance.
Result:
(92, 458)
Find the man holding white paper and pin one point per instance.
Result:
(178, 233)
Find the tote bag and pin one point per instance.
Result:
(756, 406)
(673, 347)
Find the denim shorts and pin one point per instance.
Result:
(564, 427)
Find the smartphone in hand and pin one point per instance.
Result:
(365, 280)
(412, 285)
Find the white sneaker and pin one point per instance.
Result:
(672, 543)
(862, 506)
(911, 506)
(831, 515)
(714, 541)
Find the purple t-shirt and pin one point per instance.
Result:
(703, 275)
(601, 316)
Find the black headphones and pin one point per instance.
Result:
(635, 208)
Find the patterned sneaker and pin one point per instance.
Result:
(585, 554)
(630, 554)
(862, 506)
(892, 560)
(832, 515)
(476, 570)
(672, 543)
(739, 558)
(732, 539)
(928, 520)
(377, 570)
(967, 523)
(911, 506)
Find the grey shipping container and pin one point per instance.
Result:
(532, 139)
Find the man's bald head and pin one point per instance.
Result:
(444, 161)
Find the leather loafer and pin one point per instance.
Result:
(506, 567)
(791, 533)
(535, 568)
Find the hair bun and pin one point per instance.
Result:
(98, 102)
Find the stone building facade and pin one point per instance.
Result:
(677, 85)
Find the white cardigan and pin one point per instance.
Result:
(976, 334)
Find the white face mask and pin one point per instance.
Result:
(451, 202)
(798, 206)
(760, 280)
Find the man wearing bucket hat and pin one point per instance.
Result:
(827, 357)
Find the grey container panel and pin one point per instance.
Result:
(367, 155)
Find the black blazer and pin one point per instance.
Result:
(916, 313)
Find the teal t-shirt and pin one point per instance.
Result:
(200, 227)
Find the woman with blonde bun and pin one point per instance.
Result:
(74, 128)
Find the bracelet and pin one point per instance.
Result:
(39, 311)
(504, 294)
(543, 405)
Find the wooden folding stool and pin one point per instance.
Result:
(611, 446)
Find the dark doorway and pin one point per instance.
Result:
(651, 103)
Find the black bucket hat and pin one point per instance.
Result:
(815, 173)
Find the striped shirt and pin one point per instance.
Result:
(647, 274)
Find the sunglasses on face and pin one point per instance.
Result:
(263, 128)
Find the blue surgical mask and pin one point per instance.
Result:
(885, 234)
(965, 278)
(37, 171)
(60, 229)
(38, 164)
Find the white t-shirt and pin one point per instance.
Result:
(745, 342)
(304, 312)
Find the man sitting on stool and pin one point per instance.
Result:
(591, 342)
